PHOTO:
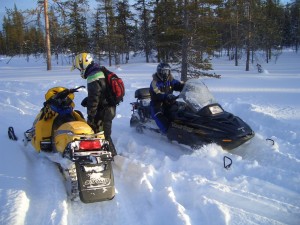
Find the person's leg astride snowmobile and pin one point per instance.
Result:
(103, 121)
(158, 115)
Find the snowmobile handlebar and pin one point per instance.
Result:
(63, 94)
(171, 98)
(60, 96)
(72, 90)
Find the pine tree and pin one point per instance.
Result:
(106, 7)
(143, 9)
(295, 24)
(97, 35)
(124, 28)
(2, 44)
(13, 26)
(55, 34)
(167, 30)
(78, 34)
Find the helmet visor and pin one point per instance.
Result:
(165, 72)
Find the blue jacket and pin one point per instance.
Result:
(159, 90)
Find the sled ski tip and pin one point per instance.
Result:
(11, 134)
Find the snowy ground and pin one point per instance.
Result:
(158, 182)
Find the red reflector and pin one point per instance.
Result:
(88, 145)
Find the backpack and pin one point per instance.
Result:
(116, 89)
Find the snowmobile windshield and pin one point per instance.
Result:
(196, 95)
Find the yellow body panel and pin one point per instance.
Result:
(70, 131)
(43, 129)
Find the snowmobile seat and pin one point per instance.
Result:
(60, 119)
(142, 93)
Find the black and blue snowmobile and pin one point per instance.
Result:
(195, 118)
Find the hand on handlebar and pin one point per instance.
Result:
(171, 98)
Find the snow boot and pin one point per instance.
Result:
(112, 148)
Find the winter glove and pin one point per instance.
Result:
(171, 98)
(84, 102)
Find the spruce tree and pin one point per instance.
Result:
(143, 9)
(124, 28)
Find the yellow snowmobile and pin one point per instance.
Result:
(58, 128)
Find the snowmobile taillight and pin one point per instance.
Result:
(89, 144)
(227, 140)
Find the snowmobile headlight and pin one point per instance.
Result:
(89, 144)
(215, 109)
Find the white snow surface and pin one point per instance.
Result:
(159, 182)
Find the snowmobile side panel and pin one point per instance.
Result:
(185, 137)
(95, 182)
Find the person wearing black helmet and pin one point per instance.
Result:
(161, 90)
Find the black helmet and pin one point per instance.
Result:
(163, 71)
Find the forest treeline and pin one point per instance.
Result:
(186, 32)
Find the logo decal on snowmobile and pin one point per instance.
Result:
(188, 129)
(241, 129)
(96, 181)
